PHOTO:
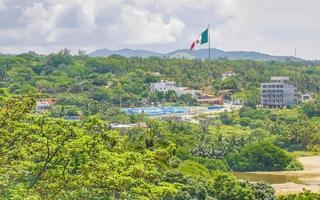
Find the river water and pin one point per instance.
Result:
(268, 178)
(285, 182)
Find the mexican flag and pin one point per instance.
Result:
(201, 39)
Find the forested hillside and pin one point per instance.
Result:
(43, 156)
(77, 80)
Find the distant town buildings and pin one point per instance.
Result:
(278, 93)
(165, 86)
(203, 98)
(44, 104)
(227, 74)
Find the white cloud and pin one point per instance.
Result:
(142, 27)
(273, 26)
(2, 5)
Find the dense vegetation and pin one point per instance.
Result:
(47, 158)
(43, 156)
(306, 195)
(80, 81)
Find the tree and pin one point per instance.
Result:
(227, 187)
(43, 84)
(312, 108)
(171, 96)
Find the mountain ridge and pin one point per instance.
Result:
(194, 54)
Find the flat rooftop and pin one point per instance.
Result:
(279, 78)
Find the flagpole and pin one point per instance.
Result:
(209, 39)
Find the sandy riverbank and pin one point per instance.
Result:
(309, 178)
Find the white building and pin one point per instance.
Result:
(278, 93)
(165, 86)
(227, 74)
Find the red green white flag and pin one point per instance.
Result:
(201, 39)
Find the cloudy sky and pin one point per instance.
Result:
(274, 26)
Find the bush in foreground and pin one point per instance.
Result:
(262, 156)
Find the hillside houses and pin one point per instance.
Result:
(44, 104)
(203, 98)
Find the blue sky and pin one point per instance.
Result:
(274, 26)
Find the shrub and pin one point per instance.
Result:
(263, 190)
(294, 165)
(262, 156)
(227, 187)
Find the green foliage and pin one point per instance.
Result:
(306, 195)
(129, 78)
(44, 157)
(212, 164)
(227, 119)
(227, 187)
(262, 156)
(263, 190)
(48, 158)
(312, 108)
(191, 168)
(294, 165)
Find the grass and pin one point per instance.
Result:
(191, 168)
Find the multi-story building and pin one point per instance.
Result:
(278, 93)
(163, 86)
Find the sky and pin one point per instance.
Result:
(275, 27)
